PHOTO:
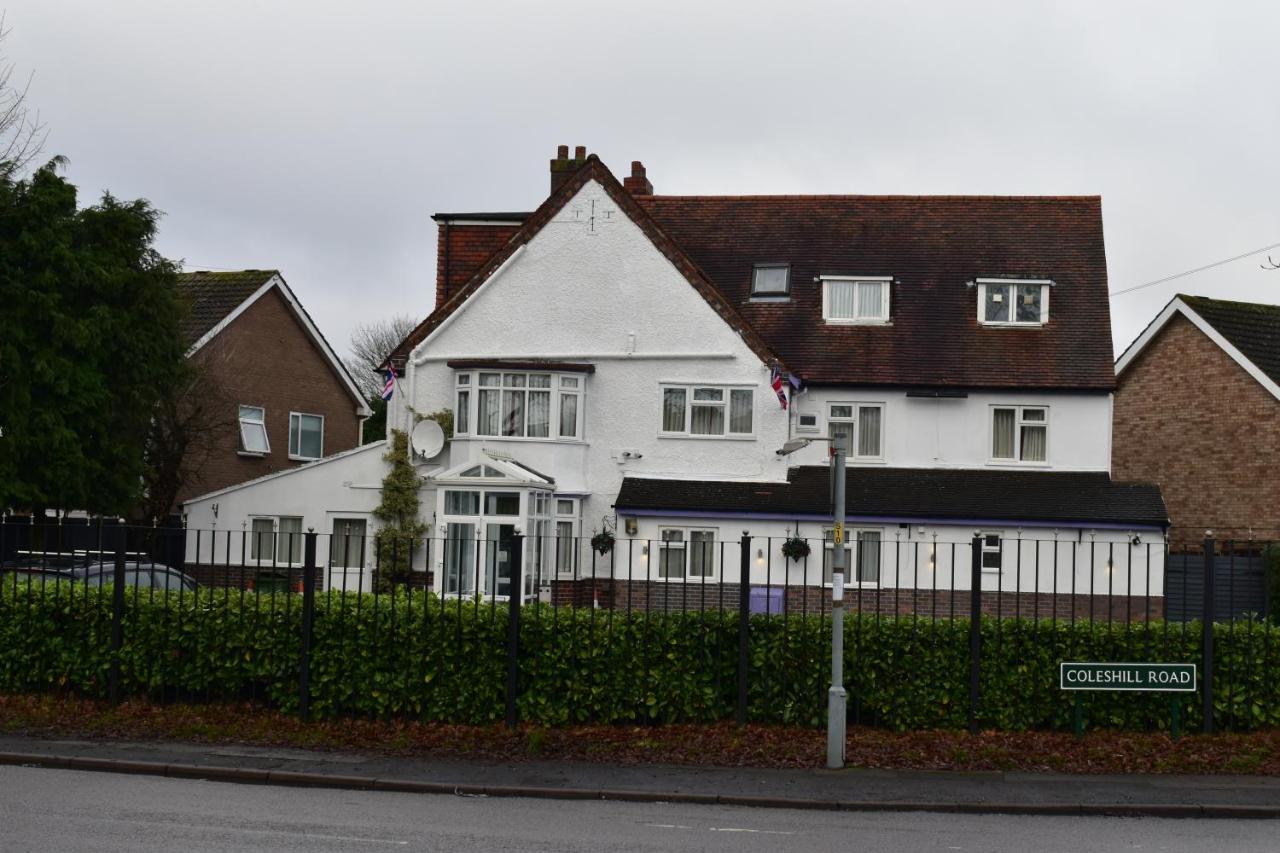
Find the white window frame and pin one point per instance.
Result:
(660, 546)
(365, 545)
(726, 403)
(574, 548)
(851, 542)
(462, 413)
(1018, 423)
(1045, 286)
(256, 557)
(769, 295)
(852, 452)
(296, 418)
(881, 319)
(557, 392)
(997, 550)
(261, 421)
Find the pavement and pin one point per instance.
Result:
(844, 790)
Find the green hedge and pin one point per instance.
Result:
(419, 657)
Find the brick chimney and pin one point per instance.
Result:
(563, 166)
(637, 184)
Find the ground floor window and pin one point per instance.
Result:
(347, 544)
(861, 566)
(686, 553)
(992, 552)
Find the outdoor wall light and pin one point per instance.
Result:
(644, 552)
(760, 556)
(631, 526)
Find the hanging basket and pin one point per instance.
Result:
(602, 542)
(795, 548)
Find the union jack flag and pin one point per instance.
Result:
(389, 387)
(775, 379)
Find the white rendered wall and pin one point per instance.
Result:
(927, 432)
(609, 298)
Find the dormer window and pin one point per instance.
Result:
(855, 299)
(771, 281)
(1013, 302)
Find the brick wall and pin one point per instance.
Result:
(469, 246)
(1190, 419)
(266, 358)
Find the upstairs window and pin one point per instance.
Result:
(1020, 433)
(253, 430)
(520, 405)
(703, 410)
(306, 436)
(771, 280)
(860, 425)
(1010, 302)
(855, 300)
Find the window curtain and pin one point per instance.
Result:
(459, 558)
(564, 546)
(707, 420)
(870, 299)
(828, 560)
(460, 424)
(263, 531)
(673, 410)
(488, 414)
(289, 543)
(1034, 441)
(740, 411)
(539, 414)
(869, 557)
(1002, 434)
(568, 415)
(843, 432)
(840, 300)
(513, 413)
(702, 556)
(869, 431)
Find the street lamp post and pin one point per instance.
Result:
(837, 698)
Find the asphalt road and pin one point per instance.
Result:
(67, 810)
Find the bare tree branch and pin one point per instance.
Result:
(22, 134)
(371, 343)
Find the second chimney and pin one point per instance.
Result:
(637, 184)
(563, 166)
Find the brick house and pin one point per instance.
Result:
(1197, 411)
(282, 396)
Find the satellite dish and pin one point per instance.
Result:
(427, 439)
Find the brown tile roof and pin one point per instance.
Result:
(932, 246)
(211, 296)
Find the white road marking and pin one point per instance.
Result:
(668, 826)
(741, 829)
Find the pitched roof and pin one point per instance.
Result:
(915, 494)
(217, 298)
(212, 296)
(591, 169)
(1252, 328)
(934, 247)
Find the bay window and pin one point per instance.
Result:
(706, 410)
(520, 405)
(1020, 433)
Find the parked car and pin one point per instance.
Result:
(145, 575)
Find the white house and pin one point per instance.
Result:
(608, 359)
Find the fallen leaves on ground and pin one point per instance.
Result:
(719, 744)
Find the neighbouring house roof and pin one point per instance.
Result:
(913, 494)
(380, 444)
(934, 247)
(215, 299)
(213, 296)
(1248, 332)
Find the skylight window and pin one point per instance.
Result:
(771, 280)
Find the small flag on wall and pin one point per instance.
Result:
(389, 387)
(775, 379)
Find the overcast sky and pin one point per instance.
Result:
(318, 138)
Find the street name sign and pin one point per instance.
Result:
(1152, 677)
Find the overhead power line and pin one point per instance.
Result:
(1196, 270)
